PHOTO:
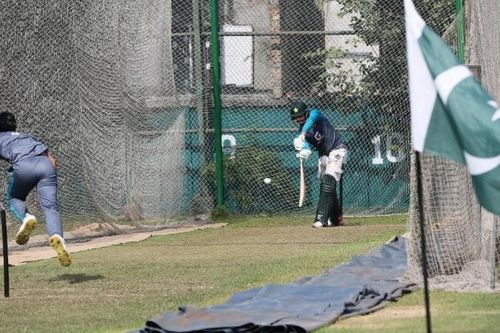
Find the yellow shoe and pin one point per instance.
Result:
(57, 243)
(24, 233)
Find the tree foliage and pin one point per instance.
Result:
(379, 23)
(245, 190)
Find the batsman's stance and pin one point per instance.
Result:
(31, 165)
(317, 132)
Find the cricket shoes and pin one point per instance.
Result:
(319, 224)
(24, 233)
(58, 244)
(340, 222)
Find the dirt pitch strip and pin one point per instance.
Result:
(35, 253)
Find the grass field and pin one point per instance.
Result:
(116, 289)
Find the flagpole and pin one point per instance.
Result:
(459, 14)
(423, 245)
(5, 254)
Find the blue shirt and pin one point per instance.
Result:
(15, 146)
(320, 134)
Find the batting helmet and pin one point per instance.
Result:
(298, 109)
(7, 122)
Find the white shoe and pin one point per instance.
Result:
(24, 233)
(58, 244)
(317, 224)
(340, 223)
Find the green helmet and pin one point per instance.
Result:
(298, 109)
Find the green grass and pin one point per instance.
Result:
(451, 312)
(118, 288)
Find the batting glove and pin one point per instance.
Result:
(305, 154)
(298, 143)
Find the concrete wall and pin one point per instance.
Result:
(358, 50)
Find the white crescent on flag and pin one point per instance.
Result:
(496, 115)
(480, 165)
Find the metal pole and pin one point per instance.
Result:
(274, 33)
(198, 68)
(341, 197)
(493, 254)
(215, 51)
(423, 245)
(459, 13)
(6, 286)
(203, 123)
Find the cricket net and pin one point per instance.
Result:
(461, 237)
(122, 93)
(79, 76)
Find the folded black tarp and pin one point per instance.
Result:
(365, 284)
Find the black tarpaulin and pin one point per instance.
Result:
(365, 284)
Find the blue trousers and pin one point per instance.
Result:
(28, 173)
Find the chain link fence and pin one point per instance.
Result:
(122, 93)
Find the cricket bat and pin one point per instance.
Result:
(302, 192)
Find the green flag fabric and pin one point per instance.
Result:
(452, 116)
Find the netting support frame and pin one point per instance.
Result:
(493, 254)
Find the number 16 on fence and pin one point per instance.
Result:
(302, 191)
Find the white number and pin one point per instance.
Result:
(395, 142)
(378, 154)
(231, 148)
(393, 149)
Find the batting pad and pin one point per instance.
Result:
(365, 284)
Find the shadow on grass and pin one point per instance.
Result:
(77, 278)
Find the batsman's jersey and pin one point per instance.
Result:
(320, 134)
(15, 146)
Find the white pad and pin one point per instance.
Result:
(322, 163)
(335, 161)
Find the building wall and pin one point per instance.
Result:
(256, 13)
(335, 23)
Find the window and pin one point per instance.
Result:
(237, 57)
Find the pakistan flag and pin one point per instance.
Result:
(452, 116)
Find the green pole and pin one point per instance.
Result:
(215, 52)
(198, 72)
(460, 30)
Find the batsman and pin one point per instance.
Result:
(316, 132)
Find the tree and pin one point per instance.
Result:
(380, 23)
